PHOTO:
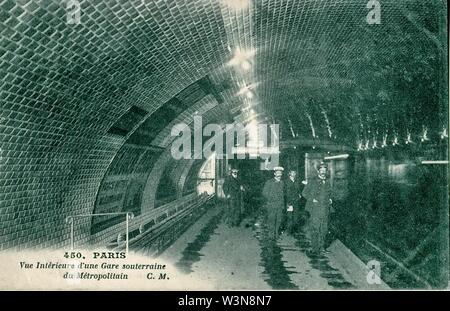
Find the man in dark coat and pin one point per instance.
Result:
(317, 192)
(273, 193)
(293, 190)
(232, 189)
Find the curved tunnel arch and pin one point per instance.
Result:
(144, 160)
(66, 90)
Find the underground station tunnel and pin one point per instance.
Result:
(120, 129)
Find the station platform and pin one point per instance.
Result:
(241, 258)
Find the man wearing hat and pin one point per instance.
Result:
(273, 193)
(317, 192)
(232, 189)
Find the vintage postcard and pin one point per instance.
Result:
(224, 145)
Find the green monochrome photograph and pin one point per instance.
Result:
(220, 145)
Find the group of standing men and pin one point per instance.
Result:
(285, 203)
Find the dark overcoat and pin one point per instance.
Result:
(273, 193)
(232, 187)
(319, 190)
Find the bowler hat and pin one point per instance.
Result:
(322, 164)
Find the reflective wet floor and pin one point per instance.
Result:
(243, 258)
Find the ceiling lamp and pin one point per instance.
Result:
(245, 65)
(408, 138)
(395, 141)
(242, 59)
(424, 134)
(444, 133)
(237, 5)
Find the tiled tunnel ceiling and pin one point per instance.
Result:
(316, 66)
(329, 73)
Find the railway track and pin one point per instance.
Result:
(155, 240)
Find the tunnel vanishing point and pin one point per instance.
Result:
(92, 90)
